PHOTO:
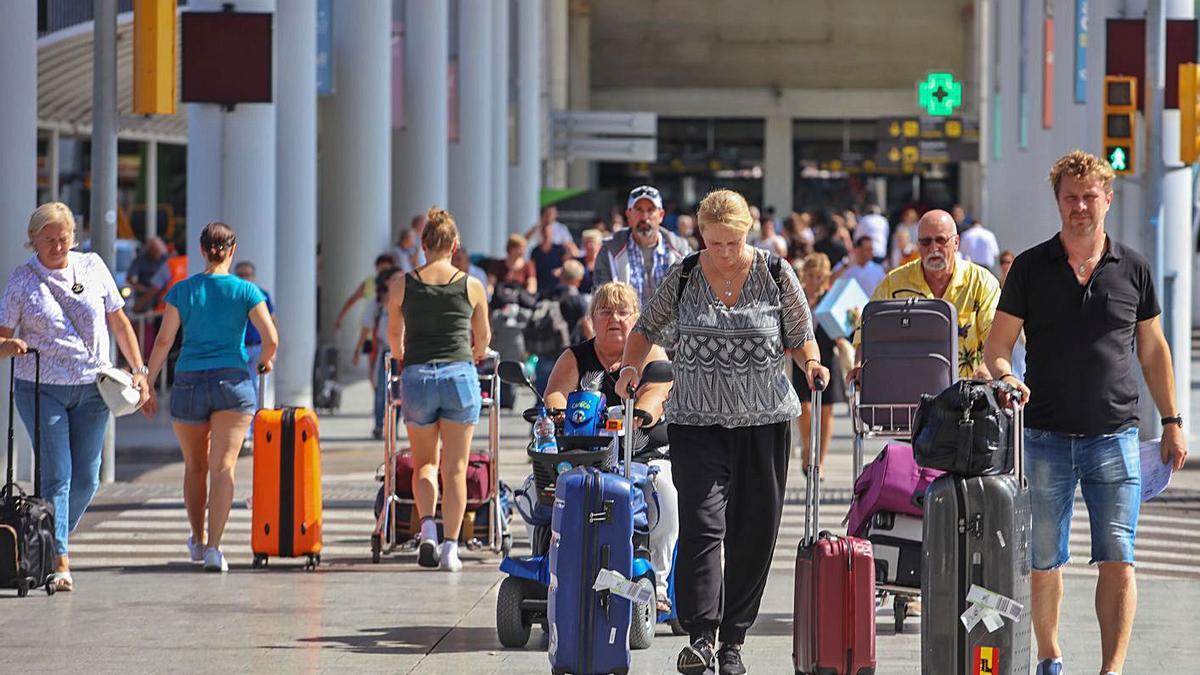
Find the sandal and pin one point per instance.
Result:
(62, 581)
(663, 604)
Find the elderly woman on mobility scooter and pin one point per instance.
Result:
(613, 312)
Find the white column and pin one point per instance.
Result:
(557, 28)
(421, 159)
(500, 109)
(296, 200)
(525, 178)
(579, 95)
(1178, 246)
(151, 189)
(777, 172)
(470, 183)
(18, 148)
(356, 169)
(52, 166)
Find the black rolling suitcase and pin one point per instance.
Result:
(909, 348)
(975, 582)
(26, 522)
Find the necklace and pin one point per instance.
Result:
(728, 292)
(77, 287)
(1083, 265)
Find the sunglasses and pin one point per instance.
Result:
(939, 240)
(644, 191)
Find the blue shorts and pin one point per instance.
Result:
(1108, 469)
(440, 391)
(197, 394)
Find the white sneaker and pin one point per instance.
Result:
(196, 550)
(214, 561)
(449, 558)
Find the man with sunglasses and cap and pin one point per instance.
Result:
(641, 253)
(940, 273)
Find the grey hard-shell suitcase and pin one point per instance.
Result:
(977, 533)
(909, 348)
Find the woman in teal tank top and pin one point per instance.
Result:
(438, 329)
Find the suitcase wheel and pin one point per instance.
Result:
(900, 612)
(260, 561)
(376, 548)
(313, 562)
(506, 543)
(22, 588)
(50, 589)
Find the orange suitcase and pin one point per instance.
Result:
(287, 486)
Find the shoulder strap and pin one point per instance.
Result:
(689, 263)
(775, 267)
(50, 287)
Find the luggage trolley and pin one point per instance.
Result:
(911, 348)
(386, 536)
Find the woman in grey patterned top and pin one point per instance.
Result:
(733, 315)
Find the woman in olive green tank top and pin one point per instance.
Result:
(438, 329)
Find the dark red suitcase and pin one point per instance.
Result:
(834, 627)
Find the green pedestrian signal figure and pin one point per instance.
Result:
(1116, 158)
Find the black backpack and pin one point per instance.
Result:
(774, 265)
(964, 431)
(547, 332)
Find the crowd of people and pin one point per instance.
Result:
(728, 294)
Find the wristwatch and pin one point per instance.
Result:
(1175, 419)
(140, 370)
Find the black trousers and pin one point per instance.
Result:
(729, 480)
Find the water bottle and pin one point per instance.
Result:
(543, 433)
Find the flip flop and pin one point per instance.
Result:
(62, 581)
(663, 604)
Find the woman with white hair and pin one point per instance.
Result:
(65, 305)
(733, 314)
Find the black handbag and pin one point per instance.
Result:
(26, 521)
(964, 431)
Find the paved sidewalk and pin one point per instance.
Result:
(141, 607)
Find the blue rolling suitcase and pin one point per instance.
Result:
(592, 529)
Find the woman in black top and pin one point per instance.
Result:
(814, 272)
(614, 311)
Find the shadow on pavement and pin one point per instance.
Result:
(418, 640)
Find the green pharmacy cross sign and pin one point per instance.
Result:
(939, 94)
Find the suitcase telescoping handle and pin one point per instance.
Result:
(812, 485)
(1017, 403)
(37, 423)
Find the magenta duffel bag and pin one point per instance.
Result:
(893, 482)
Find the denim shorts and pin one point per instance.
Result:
(440, 391)
(1108, 470)
(197, 394)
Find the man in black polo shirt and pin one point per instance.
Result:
(1085, 301)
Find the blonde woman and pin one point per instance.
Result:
(67, 306)
(438, 329)
(815, 273)
(732, 322)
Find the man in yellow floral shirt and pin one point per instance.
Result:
(941, 274)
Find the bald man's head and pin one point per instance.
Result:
(937, 239)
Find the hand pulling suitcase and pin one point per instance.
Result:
(287, 486)
(909, 348)
(592, 529)
(977, 533)
(835, 590)
(27, 550)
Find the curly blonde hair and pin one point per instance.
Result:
(614, 295)
(1083, 166)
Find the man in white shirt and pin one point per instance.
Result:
(875, 226)
(860, 266)
(558, 233)
(978, 244)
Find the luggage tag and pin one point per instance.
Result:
(991, 608)
(616, 583)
